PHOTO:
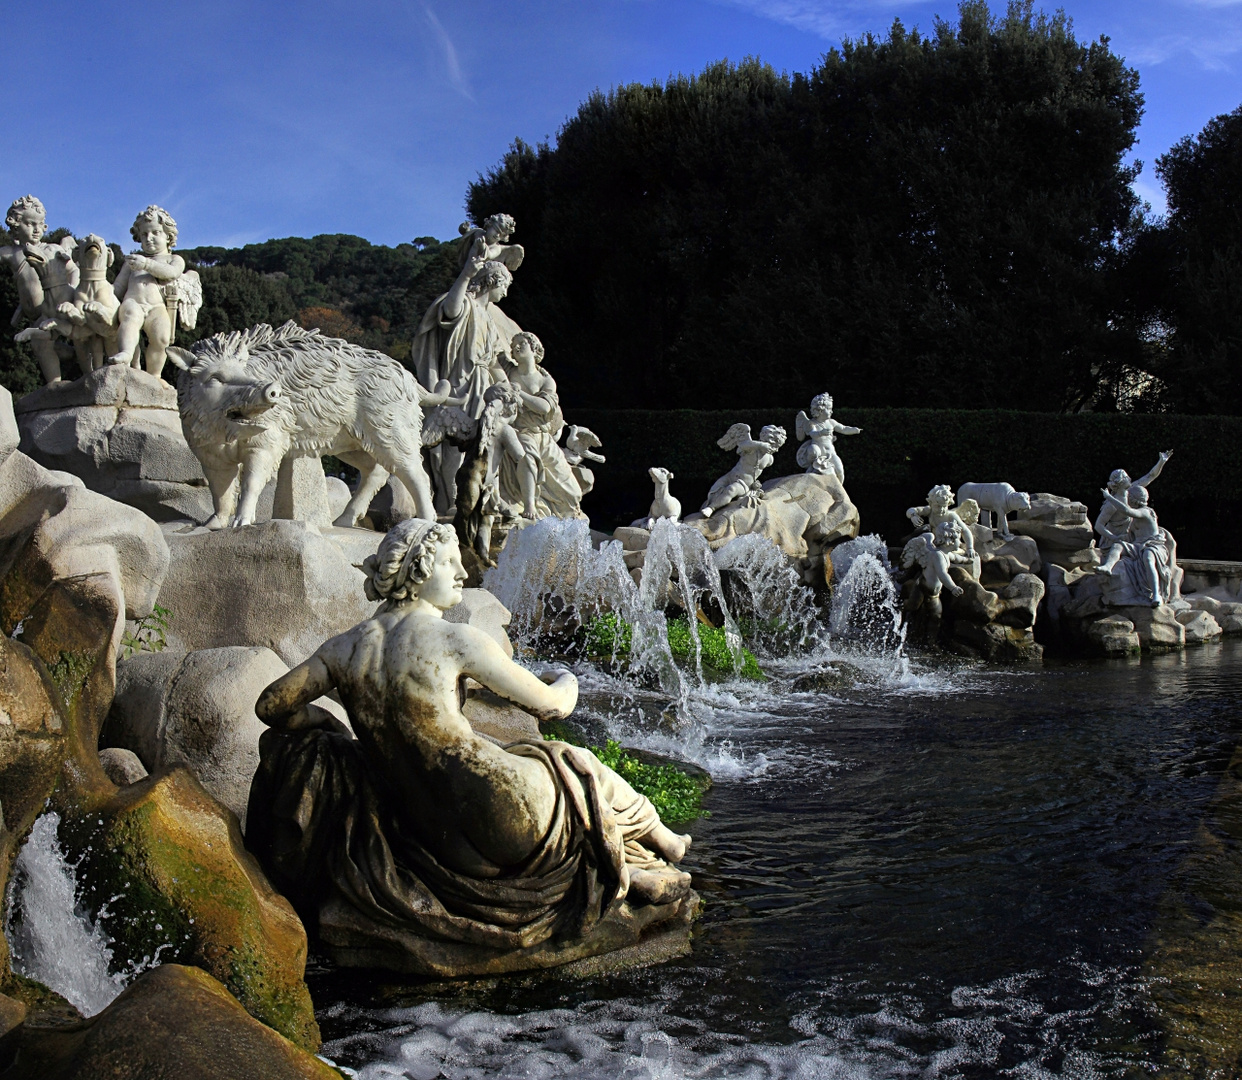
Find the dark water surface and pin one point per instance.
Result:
(972, 873)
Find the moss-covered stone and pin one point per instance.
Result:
(172, 1022)
(171, 866)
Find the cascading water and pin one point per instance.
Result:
(51, 937)
(865, 605)
(763, 588)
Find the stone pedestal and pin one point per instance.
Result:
(301, 492)
(119, 431)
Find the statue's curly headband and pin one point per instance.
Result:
(490, 275)
(941, 492)
(26, 202)
(157, 215)
(404, 559)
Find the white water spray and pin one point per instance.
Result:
(51, 936)
(865, 605)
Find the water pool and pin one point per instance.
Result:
(960, 872)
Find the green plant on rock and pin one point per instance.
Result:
(677, 796)
(150, 633)
(609, 637)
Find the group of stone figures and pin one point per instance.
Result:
(482, 406)
(69, 308)
(1139, 557)
(817, 453)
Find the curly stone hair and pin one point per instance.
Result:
(536, 346)
(26, 202)
(404, 560)
(159, 216)
(493, 273)
(941, 492)
(504, 224)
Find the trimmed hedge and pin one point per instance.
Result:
(901, 453)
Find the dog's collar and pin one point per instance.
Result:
(94, 275)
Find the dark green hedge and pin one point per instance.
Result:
(903, 452)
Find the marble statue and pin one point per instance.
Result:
(463, 338)
(1146, 571)
(742, 481)
(663, 505)
(580, 446)
(540, 481)
(1112, 524)
(251, 397)
(479, 503)
(934, 552)
(940, 508)
(1000, 500)
(154, 288)
(46, 277)
(491, 242)
(89, 320)
(817, 433)
(415, 842)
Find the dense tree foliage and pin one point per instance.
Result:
(1186, 276)
(346, 286)
(918, 220)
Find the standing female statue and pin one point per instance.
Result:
(462, 339)
(422, 846)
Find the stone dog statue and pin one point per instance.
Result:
(90, 319)
(249, 398)
(1000, 499)
(418, 845)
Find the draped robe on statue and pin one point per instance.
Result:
(462, 350)
(328, 821)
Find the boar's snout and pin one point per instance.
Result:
(272, 392)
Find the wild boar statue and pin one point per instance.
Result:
(250, 397)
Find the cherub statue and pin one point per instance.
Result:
(491, 242)
(418, 839)
(934, 552)
(580, 445)
(154, 288)
(1145, 558)
(939, 508)
(742, 481)
(1113, 524)
(818, 453)
(45, 276)
(479, 502)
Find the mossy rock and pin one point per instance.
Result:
(170, 864)
(174, 1021)
(831, 677)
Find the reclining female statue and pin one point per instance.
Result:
(421, 846)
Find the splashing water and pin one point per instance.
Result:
(865, 607)
(52, 938)
(763, 587)
(553, 566)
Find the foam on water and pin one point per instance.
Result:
(647, 1040)
(52, 937)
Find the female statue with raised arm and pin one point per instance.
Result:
(419, 845)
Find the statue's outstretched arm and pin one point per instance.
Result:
(1156, 469)
(486, 662)
(845, 429)
(283, 704)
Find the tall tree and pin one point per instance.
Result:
(920, 220)
(1199, 250)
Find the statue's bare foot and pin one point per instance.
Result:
(659, 886)
(666, 843)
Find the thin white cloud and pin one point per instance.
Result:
(1213, 52)
(824, 18)
(451, 61)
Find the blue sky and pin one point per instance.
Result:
(254, 120)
